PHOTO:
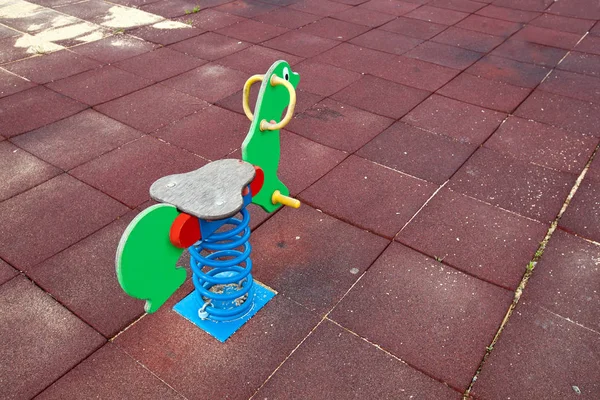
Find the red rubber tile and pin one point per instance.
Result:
(414, 28)
(517, 186)
(437, 15)
(507, 14)
(363, 16)
(82, 278)
(155, 106)
(548, 37)
(392, 7)
(579, 9)
(470, 40)
(485, 93)
(6, 272)
(11, 83)
(569, 353)
(334, 29)
(386, 41)
(165, 36)
(509, 71)
(319, 7)
(415, 73)
(475, 237)
(374, 374)
(33, 108)
(441, 54)
(109, 373)
(355, 58)
(197, 132)
(114, 48)
(202, 82)
(301, 44)
(530, 53)
(583, 215)
(176, 350)
(25, 244)
(246, 9)
(20, 171)
(564, 112)
(323, 256)
(137, 164)
(324, 79)
(369, 196)
(463, 122)
(541, 144)
(565, 24)
(581, 63)
(257, 59)
(42, 339)
(582, 87)
(288, 18)
(594, 170)
(467, 6)
(595, 31)
(90, 10)
(160, 64)
(252, 31)
(411, 150)
(528, 5)
(9, 51)
(489, 25)
(210, 46)
(99, 85)
(338, 125)
(6, 32)
(210, 19)
(176, 8)
(351, 2)
(590, 44)
(381, 96)
(417, 309)
(52, 67)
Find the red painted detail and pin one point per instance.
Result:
(185, 231)
(257, 182)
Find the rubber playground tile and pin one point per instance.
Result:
(467, 6)
(114, 48)
(542, 144)
(485, 241)
(210, 82)
(6, 32)
(356, 58)
(589, 44)
(323, 256)
(441, 54)
(324, 79)
(11, 83)
(89, 10)
(9, 51)
(507, 14)
(41, 339)
(288, 18)
(419, 310)
(509, 71)
(570, 354)
(490, 26)
(583, 215)
(301, 44)
(82, 278)
(176, 8)
(381, 96)
(99, 85)
(176, 350)
(6, 272)
(463, 122)
(210, 19)
(579, 9)
(246, 9)
(466, 39)
(151, 108)
(386, 41)
(415, 73)
(369, 196)
(527, 5)
(197, 132)
(593, 172)
(530, 53)
(548, 37)
(252, 31)
(416, 152)
(33, 108)
(518, 186)
(210, 46)
(581, 63)
(364, 16)
(109, 373)
(565, 24)
(564, 112)
(319, 7)
(159, 64)
(334, 29)
(172, 34)
(137, 164)
(338, 125)
(595, 31)
(20, 171)
(329, 351)
(582, 87)
(257, 60)
(437, 15)
(392, 7)
(415, 28)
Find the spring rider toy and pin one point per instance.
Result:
(198, 211)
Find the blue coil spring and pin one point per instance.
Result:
(224, 286)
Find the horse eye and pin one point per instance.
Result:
(286, 74)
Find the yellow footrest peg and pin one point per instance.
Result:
(282, 199)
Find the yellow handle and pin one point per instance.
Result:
(246, 101)
(278, 198)
(267, 126)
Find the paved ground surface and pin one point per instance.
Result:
(435, 146)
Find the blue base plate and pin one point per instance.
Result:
(222, 330)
